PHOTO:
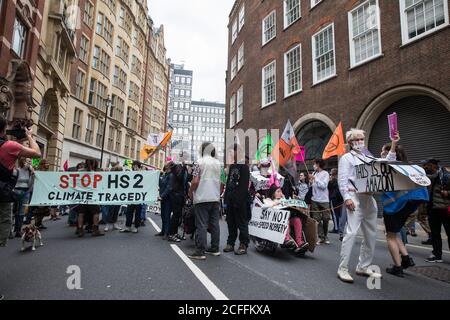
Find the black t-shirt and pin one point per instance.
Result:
(236, 192)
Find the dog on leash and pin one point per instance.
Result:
(31, 234)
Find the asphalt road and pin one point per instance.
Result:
(142, 266)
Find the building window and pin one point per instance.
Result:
(233, 67)
(293, 71)
(111, 138)
(19, 37)
(84, 47)
(101, 97)
(80, 85)
(96, 58)
(269, 28)
(127, 145)
(118, 141)
(100, 129)
(92, 89)
(88, 13)
(120, 79)
(314, 3)
(234, 31)
(240, 104)
(232, 111)
(324, 65)
(422, 17)
(76, 127)
(365, 38)
(269, 84)
(89, 138)
(292, 12)
(241, 17)
(104, 27)
(241, 57)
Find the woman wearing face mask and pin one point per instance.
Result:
(397, 207)
(361, 208)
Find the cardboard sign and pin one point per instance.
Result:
(383, 176)
(269, 224)
(296, 203)
(154, 208)
(99, 188)
(263, 183)
(393, 128)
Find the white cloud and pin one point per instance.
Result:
(196, 33)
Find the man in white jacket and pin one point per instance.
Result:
(361, 208)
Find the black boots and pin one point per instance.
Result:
(407, 262)
(396, 271)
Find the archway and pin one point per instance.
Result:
(424, 115)
(314, 136)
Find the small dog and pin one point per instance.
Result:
(30, 233)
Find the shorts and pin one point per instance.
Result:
(320, 211)
(395, 222)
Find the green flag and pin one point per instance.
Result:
(35, 162)
(265, 148)
(223, 177)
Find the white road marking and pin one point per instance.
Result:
(207, 283)
(158, 229)
(417, 247)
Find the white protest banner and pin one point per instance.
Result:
(269, 224)
(99, 188)
(384, 176)
(154, 208)
(262, 183)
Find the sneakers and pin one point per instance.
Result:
(213, 251)
(242, 250)
(395, 271)
(341, 237)
(106, 228)
(302, 248)
(365, 272)
(290, 244)
(344, 276)
(134, 230)
(428, 242)
(174, 238)
(326, 241)
(407, 262)
(159, 234)
(196, 255)
(80, 232)
(434, 259)
(126, 230)
(228, 248)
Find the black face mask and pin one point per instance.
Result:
(429, 171)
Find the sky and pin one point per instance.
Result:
(196, 34)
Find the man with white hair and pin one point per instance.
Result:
(361, 208)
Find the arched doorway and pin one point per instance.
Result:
(314, 136)
(424, 125)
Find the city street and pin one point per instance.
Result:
(142, 266)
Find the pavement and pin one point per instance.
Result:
(141, 266)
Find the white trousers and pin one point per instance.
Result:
(364, 217)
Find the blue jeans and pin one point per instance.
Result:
(144, 212)
(166, 210)
(104, 210)
(23, 199)
(73, 218)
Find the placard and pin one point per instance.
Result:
(99, 188)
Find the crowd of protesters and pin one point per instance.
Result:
(202, 194)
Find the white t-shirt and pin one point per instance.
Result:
(208, 169)
(320, 187)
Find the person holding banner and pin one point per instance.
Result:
(361, 208)
(113, 211)
(165, 188)
(89, 212)
(298, 245)
(397, 207)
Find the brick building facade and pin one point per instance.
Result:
(317, 63)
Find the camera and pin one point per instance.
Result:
(18, 130)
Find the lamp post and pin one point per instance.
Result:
(108, 104)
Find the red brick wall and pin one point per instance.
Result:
(424, 62)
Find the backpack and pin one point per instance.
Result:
(188, 218)
(7, 182)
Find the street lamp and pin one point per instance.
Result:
(108, 104)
